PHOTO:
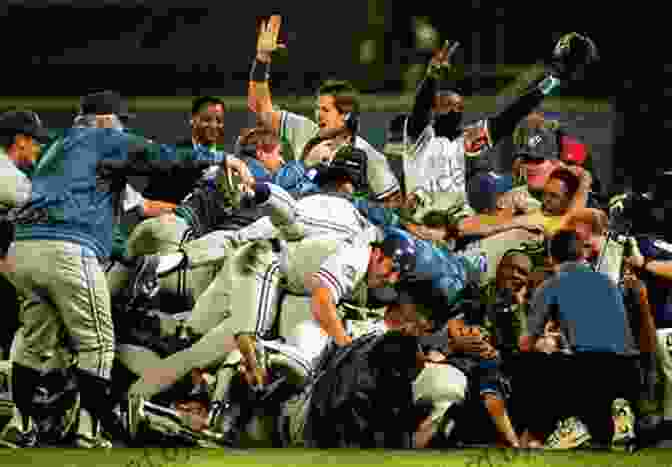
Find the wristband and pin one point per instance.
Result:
(260, 71)
(548, 85)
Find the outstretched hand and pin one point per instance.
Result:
(267, 41)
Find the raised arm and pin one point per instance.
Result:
(421, 114)
(572, 53)
(259, 93)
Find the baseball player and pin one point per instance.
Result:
(208, 207)
(336, 112)
(262, 150)
(437, 143)
(329, 270)
(67, 228)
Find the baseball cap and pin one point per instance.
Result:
(483, 189)
(539, 144)
(24, 122)
(573, 150)
(104, 103)
(400, 247)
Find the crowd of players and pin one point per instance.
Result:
(161, 292)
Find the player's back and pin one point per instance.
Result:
(330, 214)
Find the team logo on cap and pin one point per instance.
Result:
(534, 141)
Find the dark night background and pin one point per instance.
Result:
(54, 48)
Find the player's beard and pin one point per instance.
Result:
(447, 124)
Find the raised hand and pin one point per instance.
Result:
(440, 62)
(267, 41)
(571, 54)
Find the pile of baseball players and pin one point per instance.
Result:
(175, 293)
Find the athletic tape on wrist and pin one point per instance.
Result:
(260, 71)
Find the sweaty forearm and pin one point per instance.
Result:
(660, 268)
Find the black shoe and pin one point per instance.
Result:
(144, 283)
(96, 397)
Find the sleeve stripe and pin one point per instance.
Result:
(331, 280)
(283, 125)
(329, 226)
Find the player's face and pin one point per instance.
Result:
(556, 197)
(448, 103)
(537, 172)
(328, 117)
(513, 272)
(208, 125)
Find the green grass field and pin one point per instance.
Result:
(300, 457)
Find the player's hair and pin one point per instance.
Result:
(346, 98)
(571, 181)
(202, 101)
(565, 246)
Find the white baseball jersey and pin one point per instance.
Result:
(344, 270)
(438, 164)
(315, 215)
(298, 130)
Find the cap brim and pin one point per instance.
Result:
(534, 156)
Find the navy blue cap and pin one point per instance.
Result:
(483, 189)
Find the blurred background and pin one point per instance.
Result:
(56, 50)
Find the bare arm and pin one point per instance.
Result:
(259, 93)
(323, 309)
(473, 226)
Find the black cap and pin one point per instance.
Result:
(104, 103)
(25, 122)
(540, 144)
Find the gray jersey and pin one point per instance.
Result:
(297, 130)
